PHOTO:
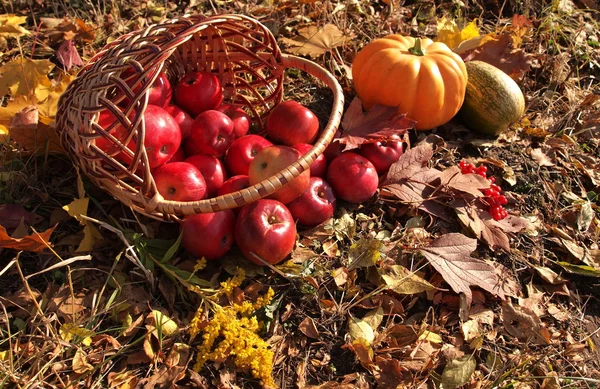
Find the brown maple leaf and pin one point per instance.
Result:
(501, 53)
(35, 242)
(378, 123)
(450, 255)
(481, 223)
(468, 183)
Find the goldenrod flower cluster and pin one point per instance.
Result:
(228, 286)
(233, 332)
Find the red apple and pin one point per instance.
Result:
(241, 120)
(179, 181)
(315, 205)
(272, 160)
(197, 92)
(318, 168)
(179, 156)
(234, 184)
(184, 120)
(212, 170)
(353, 177)
(265, 228)
(290, 122)
(160, 92)
(208, 235)
(109, 123)
(242, 152)
(163, 136)
(212, 134)
(382, 154)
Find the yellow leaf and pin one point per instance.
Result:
(452, 36)
(359, 329)
(430, 336)
(80, 362)
(47, 96)
(69, 331)
(22, 76)
(316, 41)
(77, 208)
(10, 25)
(91, 235)
(3, 355)
(167, 326)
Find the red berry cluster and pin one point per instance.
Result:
(492, 195)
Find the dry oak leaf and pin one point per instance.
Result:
(379, 122)
(308, 328)
(35, 242)
(450, 255)
(314, 41)
(10, 26)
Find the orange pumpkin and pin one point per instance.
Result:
(425, 79)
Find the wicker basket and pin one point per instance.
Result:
(239, 50)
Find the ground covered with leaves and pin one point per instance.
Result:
(418, 287)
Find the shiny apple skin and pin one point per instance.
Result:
(265, 228)
(290, 123)
(212, 134)
(179, 181)
(208, 235)
(212, 170)
(197, 92)
(382, 154)
(315, 205)
(319, 166)
(242, 152)
(239, 117)
(352, 177)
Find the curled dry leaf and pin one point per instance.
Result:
(468, 183)
(450, 255)
(523, 324)
(308, 328)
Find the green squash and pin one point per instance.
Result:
(493, 100)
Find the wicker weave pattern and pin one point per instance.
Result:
(239, 50)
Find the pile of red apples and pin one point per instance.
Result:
(198, 148)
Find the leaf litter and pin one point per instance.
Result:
(457, 299)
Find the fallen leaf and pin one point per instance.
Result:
(450, 255)
(379, 122)
(22, 76)
(12, 214)
(585, 216)
(364, 253)
(458, 372)
(523, 323)
(10, 26)
(36, 242)
(374, 318)
(498, 50)
(76, 209)
(67, 55)
(412, 163)
(314, 41)
(549, 275)
(68, 332)
(360, 330)
(308, 328)
(450, 34)
(540, 157)
(483, 225)
(165, 325)
(403, 281)
(582, 270)
(467, 183)
(80, 362)
(340, 276)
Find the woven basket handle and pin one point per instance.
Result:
(274, 183)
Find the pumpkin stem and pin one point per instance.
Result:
(417, 49)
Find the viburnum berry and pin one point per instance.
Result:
(493, 196)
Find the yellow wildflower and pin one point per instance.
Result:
(228, 286)
(200, 264)
(237, 332)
